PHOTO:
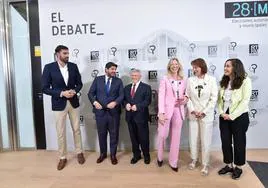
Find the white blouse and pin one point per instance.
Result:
(227, 97)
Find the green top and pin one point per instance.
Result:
(239, 100)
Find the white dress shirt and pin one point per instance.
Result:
(64, 73)
(136, 86)
(227, 97)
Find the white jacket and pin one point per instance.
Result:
(202, 95)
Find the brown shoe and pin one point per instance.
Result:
(62, 164)
(101, 158)
(114, 159)
(81, 158)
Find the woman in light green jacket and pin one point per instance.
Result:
(233, 104)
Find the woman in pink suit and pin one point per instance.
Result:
(171, 101)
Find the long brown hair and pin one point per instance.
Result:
(238, 72)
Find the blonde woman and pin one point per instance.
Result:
(171, 103)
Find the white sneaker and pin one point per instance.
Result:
(192, 165)
(204, 171)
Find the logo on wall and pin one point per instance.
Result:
(215, 120)
(75, 52)
(254, 95)
(212, 68)
(232, 47)
(153, 119)
(117, 74)
(253, 68)
(82, 122)
(252, 115)
(172, 52)
(94, 73)
(212, 51)
(192, 47)
(154, 94)
(252, 72)
(190, 72)
(152, 75)
(152, 49)
(132, 54)
(113, 50)
(94, 56)
(254, 49)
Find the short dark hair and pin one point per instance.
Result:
(200, 63)
(60, 47)
(110, 64)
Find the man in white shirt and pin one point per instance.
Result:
(62, 81)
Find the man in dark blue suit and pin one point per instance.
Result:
(62, 81)
(137, 98)
(106, 95)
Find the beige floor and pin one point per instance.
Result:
(30, 169)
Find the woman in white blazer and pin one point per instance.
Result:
(202, 91)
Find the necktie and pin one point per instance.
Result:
(132, 93)
(107, 86)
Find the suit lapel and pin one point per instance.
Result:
(59, 72)
(137, 90)
(170, 85)
(69, 72)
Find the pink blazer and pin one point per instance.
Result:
(167, 96)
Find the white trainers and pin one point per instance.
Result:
(192, 165)
(204, 171)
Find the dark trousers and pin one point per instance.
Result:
(234, 132)
(139, 135)
(108, 124)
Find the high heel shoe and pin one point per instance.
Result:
(159, 163)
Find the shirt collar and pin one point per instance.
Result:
(65, 67)
(137, 84)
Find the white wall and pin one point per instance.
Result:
(138, 24)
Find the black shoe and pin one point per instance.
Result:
(101, 157)
(175, 169)
(114, 160)
(159, 163)
(236, 173)
(147, 159)
(225, 170)
(134, 160)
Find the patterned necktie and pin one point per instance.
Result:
(132, 93)
(107, 86)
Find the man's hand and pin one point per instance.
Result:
(97, 105)
(68, 94)
(111, 105)
(128, 107)
(134, 108)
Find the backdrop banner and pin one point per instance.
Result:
(145, 35)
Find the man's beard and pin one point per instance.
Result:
(110, 74)
(65, 60)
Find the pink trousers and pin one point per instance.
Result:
(174, 124)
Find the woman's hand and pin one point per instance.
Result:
(182, 101)
(162, 118)
(225, 116)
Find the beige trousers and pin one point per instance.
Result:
(61, 129)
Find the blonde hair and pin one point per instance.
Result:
(180, 71)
